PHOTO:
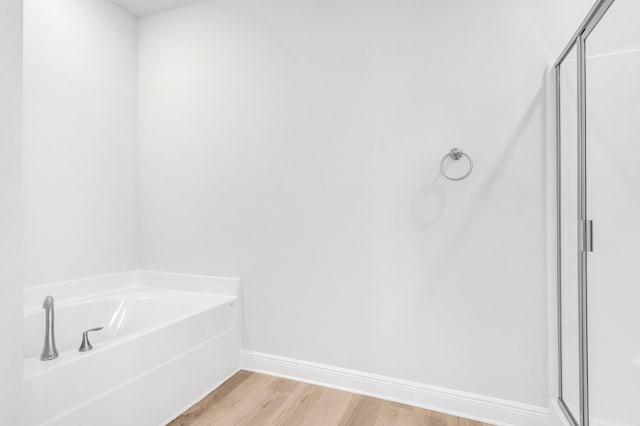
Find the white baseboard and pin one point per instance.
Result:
(463, 404)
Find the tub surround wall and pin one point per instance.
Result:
(10, 211)
(80, 141)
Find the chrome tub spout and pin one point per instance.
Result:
(49, 350)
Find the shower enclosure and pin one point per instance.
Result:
(598, 201)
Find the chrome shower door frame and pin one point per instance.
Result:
(578, 40)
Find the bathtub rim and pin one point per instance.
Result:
(30, 363)
(131, 280)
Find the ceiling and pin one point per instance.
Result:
(147, 7)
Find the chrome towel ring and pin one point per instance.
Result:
(456, 154)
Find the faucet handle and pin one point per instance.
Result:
(86, 346)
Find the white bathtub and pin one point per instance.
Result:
(168, 340)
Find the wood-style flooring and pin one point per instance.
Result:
(257, 399)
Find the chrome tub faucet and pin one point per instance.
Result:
(49, 350)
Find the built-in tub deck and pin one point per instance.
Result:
(167, 337)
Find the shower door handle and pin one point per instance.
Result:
(586, 236)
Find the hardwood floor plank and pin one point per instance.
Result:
(466, 422)
(240, 405)
(231, 404)
(327, 409)
(278, 384)
(393, 413)
(278, 392)
(252, 399)
(188, 417)
(280, 416)
(434, 418)
(297, 415)
(362, 411)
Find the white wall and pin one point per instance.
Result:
(297, 145)
(80, 141)
(10, 207)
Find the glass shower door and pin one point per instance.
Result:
(568, 295)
